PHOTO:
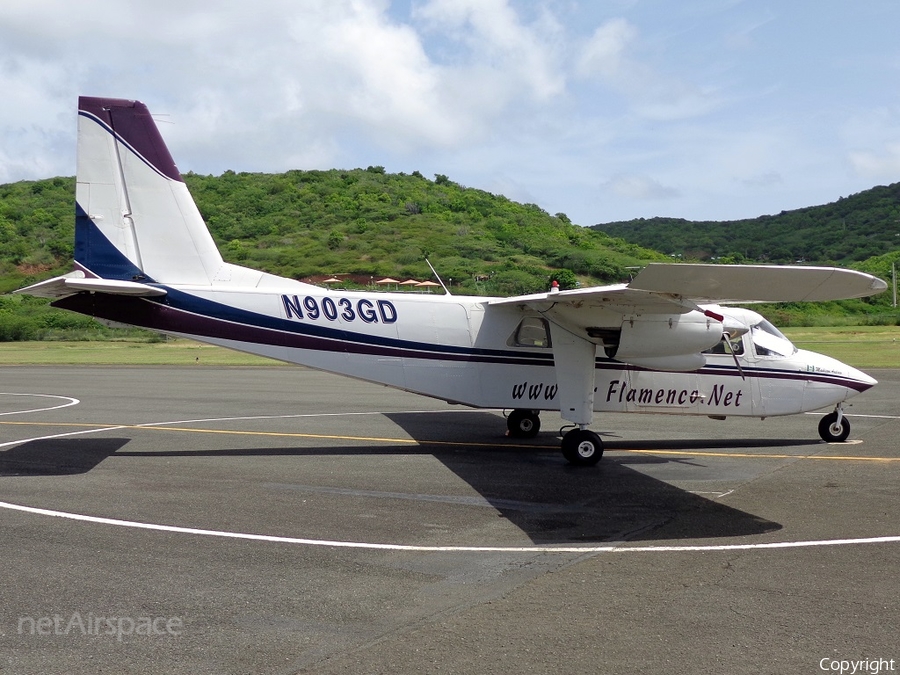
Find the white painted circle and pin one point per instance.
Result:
(69, 401)
(623, 547)
(620, 548)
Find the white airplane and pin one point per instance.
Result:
(144, 257)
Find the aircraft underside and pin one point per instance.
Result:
(523, 383)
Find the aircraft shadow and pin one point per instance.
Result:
(527, 482)
(609, 502)
(57, 456)
(530, 485)
(553, 502)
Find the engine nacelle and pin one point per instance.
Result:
(652, 336)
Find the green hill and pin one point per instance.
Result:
(849, 230)
(362, 224)
(359, 225)
(301, 224)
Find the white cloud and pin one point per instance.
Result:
(604, 53)
(498, 41)
(275, 81)
(607, 56)
(873, 140)
(763, 180)
(883, 164)
(639, 187)
(551, 98)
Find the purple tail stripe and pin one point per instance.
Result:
(131, 121)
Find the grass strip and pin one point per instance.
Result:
(174, 352)
(859, 346)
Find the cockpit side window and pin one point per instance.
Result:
(769, 341)
(532, 331)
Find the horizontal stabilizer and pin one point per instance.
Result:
(69, 284)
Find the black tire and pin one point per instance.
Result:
(582, 447)
(831, 432)
(523, 423)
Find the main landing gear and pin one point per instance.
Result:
(581, 447)
(523, 423)
(834, 427)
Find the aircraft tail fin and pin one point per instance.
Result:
(135, 220)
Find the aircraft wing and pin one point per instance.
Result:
(757, 283)
(664, 287)
(75, 282)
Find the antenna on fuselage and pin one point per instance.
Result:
(438, 277)
(631, 274)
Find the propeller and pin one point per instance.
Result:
(729, 347)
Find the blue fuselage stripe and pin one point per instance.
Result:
(188, 314)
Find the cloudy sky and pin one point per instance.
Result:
(601, 109)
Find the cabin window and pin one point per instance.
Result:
(736, 347)
(532, 331)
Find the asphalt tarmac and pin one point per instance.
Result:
(279, 520)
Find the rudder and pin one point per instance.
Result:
(135, 219)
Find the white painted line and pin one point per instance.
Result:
(151, 425)
(69, 399)
(750, 547)
(617, 548)
(83, 432)
(69, 402)
(877, 417)
(871, 417)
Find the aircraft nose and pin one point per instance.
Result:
(861, 377)
(856, 381)
(832, 381)
(838, 372)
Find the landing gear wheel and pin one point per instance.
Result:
(582, 447)
(831, 431)
(523, 423)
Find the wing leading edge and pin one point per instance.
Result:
(663, 287)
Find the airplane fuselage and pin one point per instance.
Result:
(464, 350)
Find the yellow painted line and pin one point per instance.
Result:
(411, 441)
(373, 439)
(332, 437)
(366, 439)
(767, 455)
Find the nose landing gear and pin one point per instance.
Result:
(834, 427)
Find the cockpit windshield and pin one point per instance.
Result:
(769, 341)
